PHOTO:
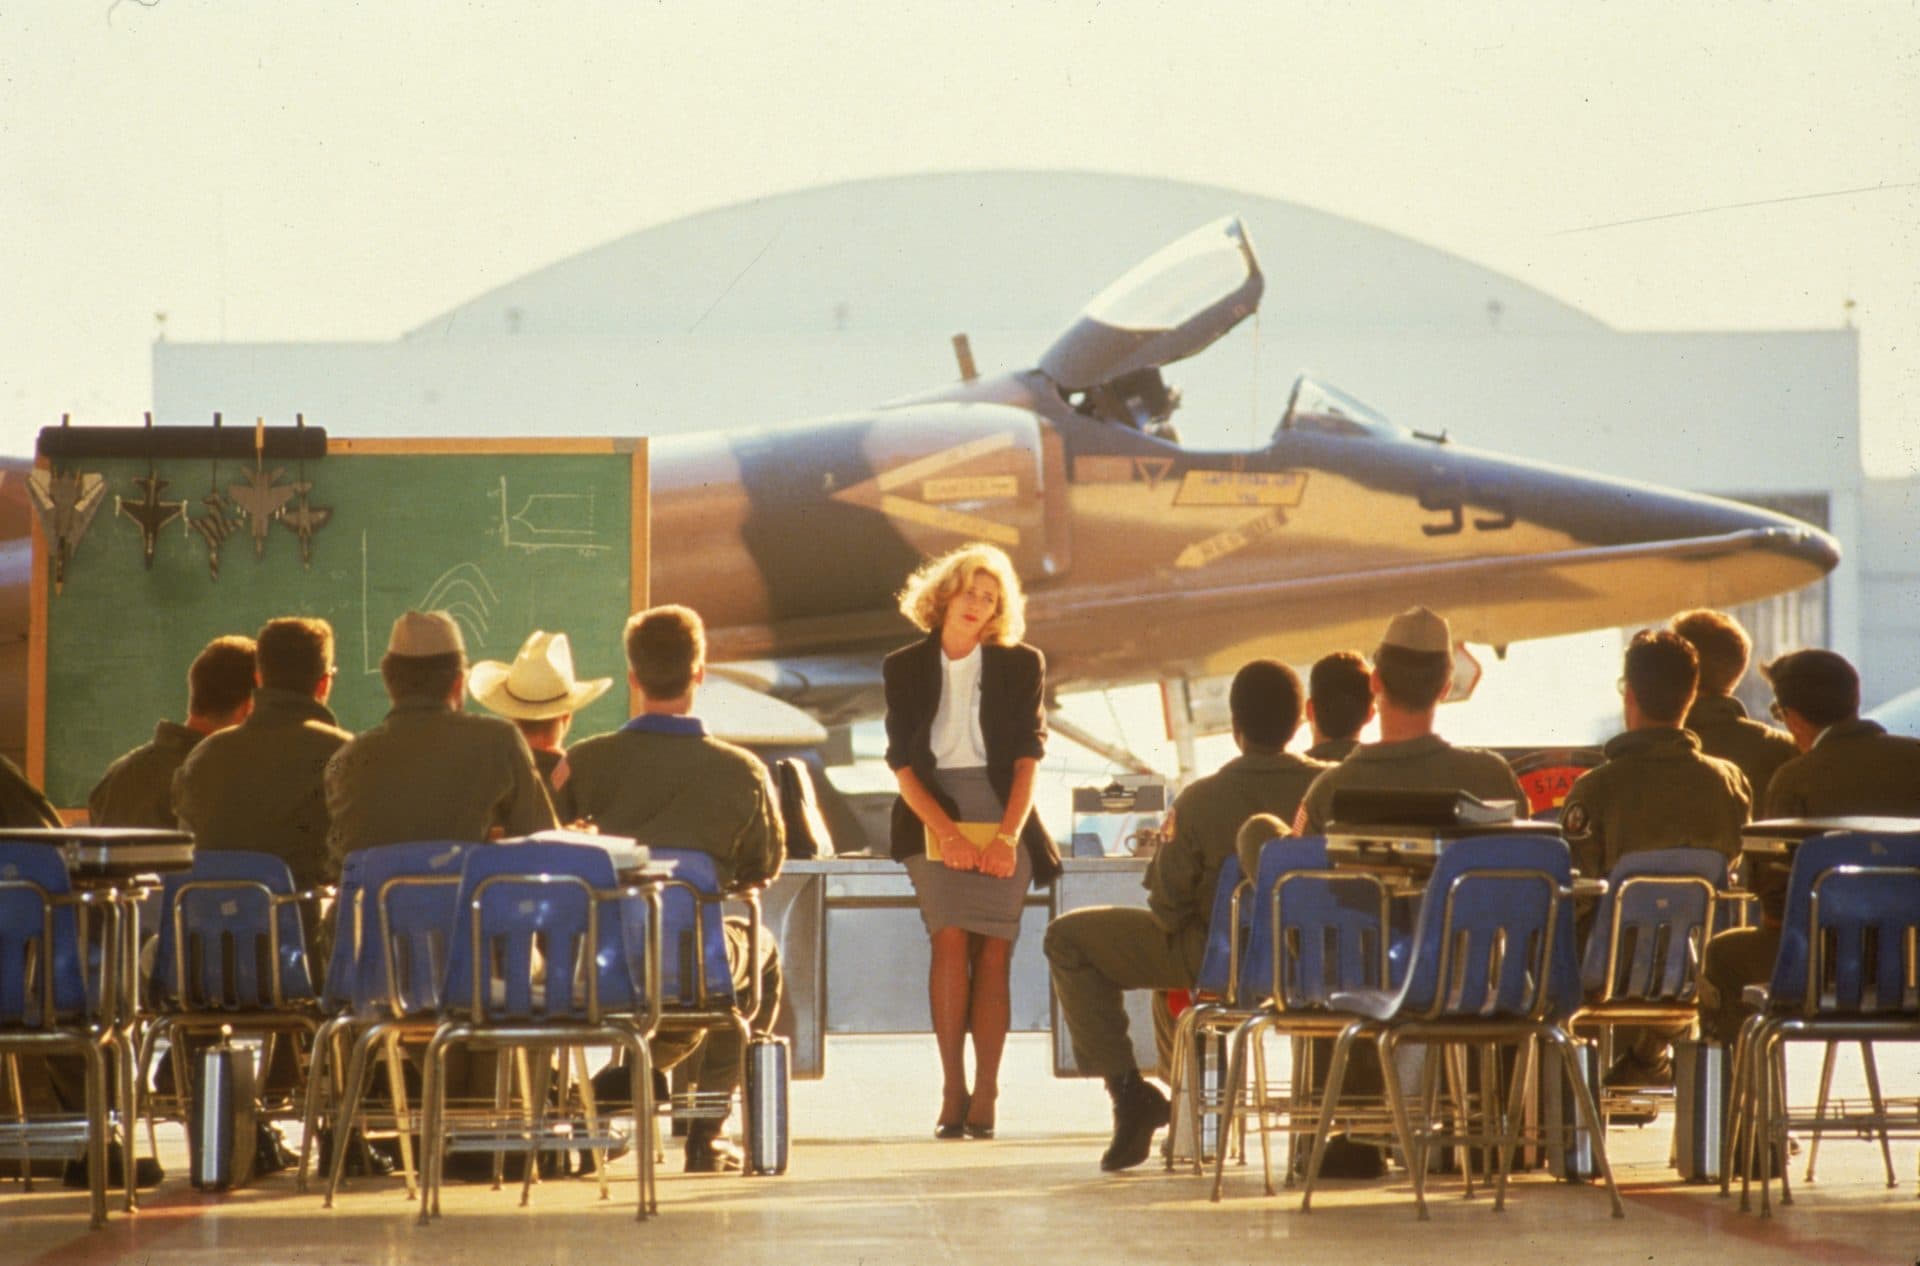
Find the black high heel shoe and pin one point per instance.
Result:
(975, 1129)
(951, 1130)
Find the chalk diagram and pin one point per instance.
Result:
(462, 591)
(547, 520)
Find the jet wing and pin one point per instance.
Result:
(1491, 600)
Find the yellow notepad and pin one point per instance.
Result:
(980, 834)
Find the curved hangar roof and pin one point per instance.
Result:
(1005, 250)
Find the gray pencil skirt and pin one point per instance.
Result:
(966, 898)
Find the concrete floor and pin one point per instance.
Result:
(869, 1185)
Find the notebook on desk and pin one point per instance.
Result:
(627, 853)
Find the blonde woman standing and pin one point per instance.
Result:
(966, 728)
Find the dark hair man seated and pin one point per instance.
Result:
(1846, 767)
(663, 780)
(1716, 716)
(258, 785)
(1339, 704)
(1656, 790)
(1098, 953)
(137, 789)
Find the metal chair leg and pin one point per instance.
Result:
(1820, 1105)
(1329, 1099)
(1879, 1111)
(1388, 1046)
(402, 1110)
(1589, 1113)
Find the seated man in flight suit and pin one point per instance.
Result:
(1847, 767)
(1723, 725)
(1098, 953)
(664, 781)
(1656, 790)
(1339, 704)
(137, 789)
(1412, 670)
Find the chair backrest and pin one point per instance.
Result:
(1216, 964)
(1652, 924)
(1327, 931)
(1866, 958)
(1494, 938)
(226, 909)
(30, 875)
(522, 903)
(400, 926)
(691, 915)
(1816, 856)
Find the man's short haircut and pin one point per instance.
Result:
(665, 647)
(1663, 671)
(221, 678)
(1341, 693)
(1820, 685)
(1723, 646)
(1413, 680)
(428, 676)
(294, 653)
(1264, 701)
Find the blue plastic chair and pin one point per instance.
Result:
(1315, 931)
(1493, 960)
(393, 919)
(1848, 894)
(51, 1004)
(691, 914)
(232, 954)
(556, 906)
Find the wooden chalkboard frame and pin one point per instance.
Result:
(639, 532)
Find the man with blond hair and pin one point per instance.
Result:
(1716, 716)
(663, 780)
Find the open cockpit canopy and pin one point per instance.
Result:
(1173, 304)
(1314, 406)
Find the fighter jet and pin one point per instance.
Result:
(1145, 559)
(1149, 560)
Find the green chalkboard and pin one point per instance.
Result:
(507, 541)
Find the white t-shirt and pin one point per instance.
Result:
(956, 739)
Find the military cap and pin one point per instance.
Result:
(1418, 629)
(421, 633)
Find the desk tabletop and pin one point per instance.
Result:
(1797, 829)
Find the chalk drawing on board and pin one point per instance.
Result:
(547, 520)
(462, 591)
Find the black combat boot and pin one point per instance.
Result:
(709, 1152)
(1138, 1110)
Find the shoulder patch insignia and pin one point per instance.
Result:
(1576, 822)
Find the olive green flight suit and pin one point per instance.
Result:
(665, 782)
(428, 772)
(257, 786)
(1427, 763)
(137, 789)
(1727, 732)
(1855, 768)
(1098, 953)
(1656, 790)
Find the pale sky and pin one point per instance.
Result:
(332, 170)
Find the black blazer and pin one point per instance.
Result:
(1013, 721)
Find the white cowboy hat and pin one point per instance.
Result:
(539, 684)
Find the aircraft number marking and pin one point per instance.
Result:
(1234, 539)
(1242, 488)
(1451, 501)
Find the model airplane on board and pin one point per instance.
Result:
(1144, 559)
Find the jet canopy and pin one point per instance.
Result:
(1314, 406)
(1173, 304)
